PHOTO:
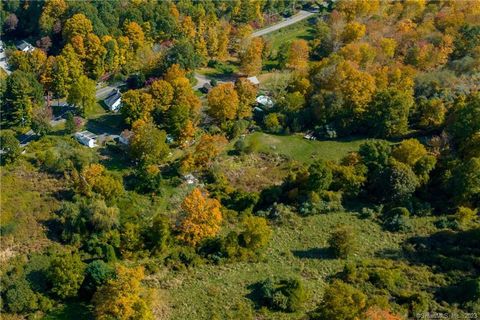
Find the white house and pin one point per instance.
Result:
(264, 101)
(24, 46)
(114, 100)
(87, 138)
(254, 80)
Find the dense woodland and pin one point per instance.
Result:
(379, 221)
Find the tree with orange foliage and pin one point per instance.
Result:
(376, 313)
(205, 152)
(201, 218)
(251, 57)
(223, 102)
(187, 134)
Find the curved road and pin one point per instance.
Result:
(301, 15)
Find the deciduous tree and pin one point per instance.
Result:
(251, 57)
(82, 94)
(147, 144)
(137, 105)
(202, 218)
(223, 102)
(121, 297)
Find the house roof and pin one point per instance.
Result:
(264, 101)
(22, 45)
(86, 134)
(114, 96)
(253, 80)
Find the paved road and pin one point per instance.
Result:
(301, 15)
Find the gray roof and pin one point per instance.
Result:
(113, 97)
(22, 45)
(86, 134)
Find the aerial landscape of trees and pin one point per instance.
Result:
(328, 168)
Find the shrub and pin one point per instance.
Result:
(342, 242)
(96, 274)
(256, 234)
(283, 295)
(10, 146)
(465, 215)
(341, 301)
(182, 258)
(66, 274)
(397, 219)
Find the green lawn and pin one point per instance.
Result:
(298, 148)
(298, 251)
(300, 30)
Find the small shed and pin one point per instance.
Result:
(24, 46)
(254, 80)
(264, 101)
(87, 138)
(114, 100)
(125, 136)
(190, 179)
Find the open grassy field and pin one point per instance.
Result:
(296, 147)
(298, 250)
(300, 30)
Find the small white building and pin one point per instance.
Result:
(114, 100)
(190, 179)
(254, 80)
(264, 101)
(87, 138)
(24, 46)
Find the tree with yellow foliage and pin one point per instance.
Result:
(78, 24)
(134, 33)
(188, 28)
(136, 105)
(223, 102)
(353, 31)
(201, 218)
(223, 40)
(251, 57)
(94, 56)
(298, 56)
(162, 92)
(247, 92)
(121, 298)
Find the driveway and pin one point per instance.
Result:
(301, 15)
(201, 80)
(3, 62)
(103, 92)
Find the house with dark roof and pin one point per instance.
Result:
(24, 46)
(114, 100)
